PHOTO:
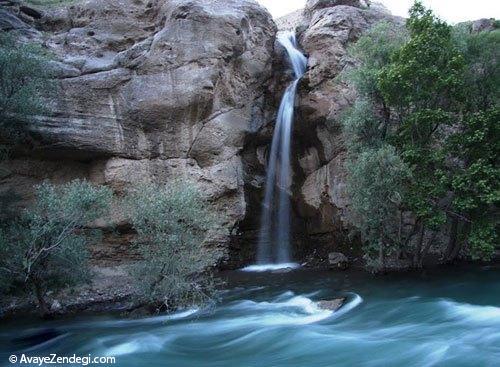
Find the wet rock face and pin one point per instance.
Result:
(150, 91)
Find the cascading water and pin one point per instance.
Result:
(274, 237)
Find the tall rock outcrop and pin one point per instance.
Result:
(148, 90)
(326, 29)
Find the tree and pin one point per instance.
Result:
(433, 98)
(376, 186)
(377, 174)
(481, 53)
(422, 85)
(475, 182)
(371, 53)
(172, 222)
(45, 249)
(476, 147)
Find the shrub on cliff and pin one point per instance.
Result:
(45, 249)
(172, 222)
(24, 78)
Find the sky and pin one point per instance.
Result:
(453, 11)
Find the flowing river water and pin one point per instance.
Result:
(438, 318)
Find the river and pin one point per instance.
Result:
(435, 318)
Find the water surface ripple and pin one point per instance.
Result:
(442, 319)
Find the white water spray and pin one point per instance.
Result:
(274, 237)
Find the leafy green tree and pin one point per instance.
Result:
(45, 249)
(481, 53)
(475, 145)
(362, 127)
(376, 186)
(423, 87)
(475, 182)
(377, 174)
(172, 222)
(372, 52)
(433, 97)
(426, 72)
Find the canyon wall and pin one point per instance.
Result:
(146, 91)
(160, 89)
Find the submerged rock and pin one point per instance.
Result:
(331, 305)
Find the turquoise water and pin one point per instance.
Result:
(447, 318)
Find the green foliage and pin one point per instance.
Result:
(482, 240)
(362, 128)
(171, 222)
(46, 248)
(376, 186)
(475, 183)
(482, 78)
(24, 78)
(372, 51)
(24, 81)
(432, 97)
(425, 73)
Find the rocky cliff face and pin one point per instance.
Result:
(159, 89)
(147, 91)
(325, 28)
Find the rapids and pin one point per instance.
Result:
(440, 318)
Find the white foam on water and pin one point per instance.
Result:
(472, 312)
(141, 343)
(297, 310)
(435, 353)
(138, 322)
(247, 317)
(47, 344)
(353, 303)
(270, 267)
(292, 310)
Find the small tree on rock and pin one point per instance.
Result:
(45, 249)
(172, 222)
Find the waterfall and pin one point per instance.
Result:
(274, 236)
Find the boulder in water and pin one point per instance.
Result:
(331, 305)
(338, 260)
